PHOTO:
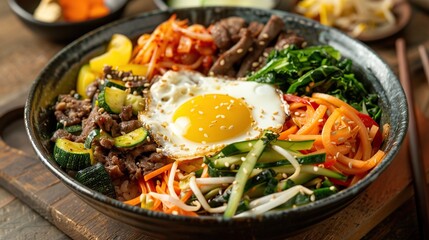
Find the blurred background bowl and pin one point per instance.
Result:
(166, 4)
(62, 31)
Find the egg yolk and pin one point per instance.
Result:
(212, 118)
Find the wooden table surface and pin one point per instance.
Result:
(23, 55)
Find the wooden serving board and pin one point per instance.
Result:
(27, 178)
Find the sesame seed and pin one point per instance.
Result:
(255, 64)
(231, 127)
(200, 112)
(222, 127)
(200, 129)
(250, 144)
(265, 54)
(211, 73)
(245, 170)
(350, 165)
(250, 49)
(262, 43)
(332, 188)
(284, 175)
(203, 142)
(206, 135)
(315, 168)
(222, 62)
(320, 120)
(312, 198)
(158, 150)
(240, 50)
(243, 159)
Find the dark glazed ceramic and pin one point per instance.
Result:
(63, 31)
(60, 74)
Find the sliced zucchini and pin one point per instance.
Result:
(136, 101)
(112, 99)
(91, 136)
(96, 178)
(71, 155)
(74, 129)
(131, 139)
(114, 83)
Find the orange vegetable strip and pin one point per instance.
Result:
(317, 138)
(186, 196)
(319, 101)
(283, 135)
(313, 122)
(363, 133)
(205, 172)
(133, 202)
(352, 166)
(142, 186)
(326, 133)
(157, 172)
(335, 101)
(296, 105)
(206, 37)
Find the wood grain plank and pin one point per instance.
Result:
(24, 223)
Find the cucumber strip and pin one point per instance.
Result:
(131, 139)
(288, 169)
(243, 174)
(246, 146)
(112, 99)
(269, 158)
(71, 155)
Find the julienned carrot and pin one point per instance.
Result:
(283, 135)
(312, 125)
(157, 172)
(175, 45)
(133, 202)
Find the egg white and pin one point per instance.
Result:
(175, 88)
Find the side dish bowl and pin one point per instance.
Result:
(63, 31)
(59, 76)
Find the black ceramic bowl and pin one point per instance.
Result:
(59, 76)
(63, 31)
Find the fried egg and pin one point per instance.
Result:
(190, 115)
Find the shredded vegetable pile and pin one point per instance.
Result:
(353, 16)
(175, 45)
(330, 139)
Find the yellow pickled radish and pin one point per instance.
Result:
(118, 53)
(135, 68)
(85, 77)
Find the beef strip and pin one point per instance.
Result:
(126, 113)
(128, 126)
(255, 28)
(61, 133)
(285, 39)
(233, 25)
(270, 31)
(71, 111)
(88, 124)
(227, 59)
(107, 123)
(92, 89)
(221, 36)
